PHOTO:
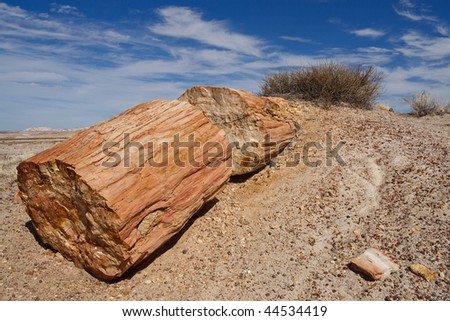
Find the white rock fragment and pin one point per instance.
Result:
(374, 264)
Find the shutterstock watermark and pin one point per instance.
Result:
(188, 151)
(330, 153)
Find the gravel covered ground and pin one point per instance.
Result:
(285, 233)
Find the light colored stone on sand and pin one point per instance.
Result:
(374, 264)
(423, 271)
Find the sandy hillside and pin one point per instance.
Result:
(285, 233)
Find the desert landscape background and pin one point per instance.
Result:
(284, 233)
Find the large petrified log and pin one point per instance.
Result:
(258, 128)
(105, 200)
(112, 194)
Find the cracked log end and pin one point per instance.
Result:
(110, 196)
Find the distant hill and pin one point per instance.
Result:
(48, 129)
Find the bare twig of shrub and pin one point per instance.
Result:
(328, 83)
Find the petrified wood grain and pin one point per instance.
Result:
(258, 128)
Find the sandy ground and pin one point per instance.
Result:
(285, 233)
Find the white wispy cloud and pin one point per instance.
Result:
(368, 32)
(365, 56)
(335, 21)
(20, 26)
(413, 16)
(407, 3)
(443, 30)
(375, 50)
(66, 9)
(181, 22)
(410, 11)
(414, 44)
(300, 39)
(12, 10)
(33, 77)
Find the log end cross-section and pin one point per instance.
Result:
(112, 194)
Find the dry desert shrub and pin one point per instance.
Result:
(423, 104)
(328, 83)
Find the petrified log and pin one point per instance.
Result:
(258, 128)
(112, 194)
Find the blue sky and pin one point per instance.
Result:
(75, 63)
